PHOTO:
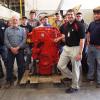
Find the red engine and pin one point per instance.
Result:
(45, 49)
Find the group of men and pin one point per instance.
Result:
(13, 42)
(76, 36)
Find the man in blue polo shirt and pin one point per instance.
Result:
(93, 37)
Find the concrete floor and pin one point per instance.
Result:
(49, 92)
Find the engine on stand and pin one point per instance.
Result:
(45, 52)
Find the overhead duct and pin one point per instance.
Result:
(41, 8)
(76, 8)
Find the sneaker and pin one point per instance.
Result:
(71, 90)
(8, 84)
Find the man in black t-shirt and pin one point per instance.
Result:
(74, 43)
(28, 52)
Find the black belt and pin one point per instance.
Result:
(72, 45)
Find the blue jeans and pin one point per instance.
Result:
(20, 62)
(93, 61)
(84, 60)
(28, 54)
(3, 53)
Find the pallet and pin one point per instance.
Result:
(25, 77)
(39, 79)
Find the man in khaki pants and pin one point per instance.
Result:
(74, 43)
